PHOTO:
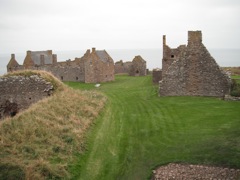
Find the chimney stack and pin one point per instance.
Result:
(164, 40)
(93, 49)
(194, 37)
(28, 53)
(12, 56)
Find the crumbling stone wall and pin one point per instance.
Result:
(138, 67)
(122, 67)
(156, 75)
(65, 71)
(191, 70)
(19, 92)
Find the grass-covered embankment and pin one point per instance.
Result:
(140, 131)
(41, 142)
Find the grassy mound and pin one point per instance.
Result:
(40, 143)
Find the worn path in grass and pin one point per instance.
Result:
(139, 131)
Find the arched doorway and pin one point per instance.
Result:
(137, 73)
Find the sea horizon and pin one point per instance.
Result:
(153, 56)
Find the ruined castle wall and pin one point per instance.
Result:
(118, 67)
(156, 76)
(122, 67)
(138, 67)
(194, 73)
(62, 71)
(19, 92)
(167, 60)
(15, 68)
(89, 72)
(66, 73)
(127, 66)
(171, 55)
(108, 72)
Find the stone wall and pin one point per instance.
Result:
(191, 71)
(65, 71)
(94, 67)
(122, 67)
(156, 75)
(99, 67)
(19, 92)
(138, 67)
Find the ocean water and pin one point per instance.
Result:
(224, 57)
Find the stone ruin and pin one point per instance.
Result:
(191, 70)
(19, 92)
(93, 67)
(139, 67)
(136, 67)
(122, 67)
(156, 75)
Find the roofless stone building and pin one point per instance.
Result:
(136, 67)
(191, 70)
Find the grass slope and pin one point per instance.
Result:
(41, 142)
(139, 131)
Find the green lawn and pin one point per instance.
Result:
(235, 77)
(139, 130)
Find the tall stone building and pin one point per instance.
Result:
(94, 67)
(191, 70)
(98, 66)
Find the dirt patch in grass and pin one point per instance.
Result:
(188, 172)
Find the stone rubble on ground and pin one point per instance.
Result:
(194, 172)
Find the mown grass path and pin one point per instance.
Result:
(139, 131)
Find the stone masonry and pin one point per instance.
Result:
(191, 70)
(19, 92)
(122, 67)
(138, 67)
(94, 67)
(156, 75)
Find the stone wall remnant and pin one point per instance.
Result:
(156, 75)
(122, 67)
(138, 67)
(19, 92)
(191, 70)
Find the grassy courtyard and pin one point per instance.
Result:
(139, 130)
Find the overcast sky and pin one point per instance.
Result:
(115, 24)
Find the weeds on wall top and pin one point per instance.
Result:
(57, 84)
